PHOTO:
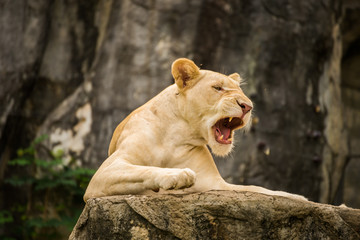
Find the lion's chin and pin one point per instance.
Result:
(220, 149)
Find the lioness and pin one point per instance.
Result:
(161, 146)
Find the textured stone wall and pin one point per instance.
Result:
(350, 90)
(75, 69)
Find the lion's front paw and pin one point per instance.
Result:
(176, 179)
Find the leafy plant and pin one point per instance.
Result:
(54, 195)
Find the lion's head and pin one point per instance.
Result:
(213, 104)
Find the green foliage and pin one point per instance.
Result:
(54, 193)
(5, 217)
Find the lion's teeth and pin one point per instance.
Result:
(230, 119)
(230, 139)
(221, 137)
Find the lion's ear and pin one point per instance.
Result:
(236, 77)
(184, 72)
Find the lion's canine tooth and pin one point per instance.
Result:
(230, 139)
(230, 119)
(221, 137)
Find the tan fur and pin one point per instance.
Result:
(118, 131)
(161, 146)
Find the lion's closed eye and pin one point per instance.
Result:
(218, 88)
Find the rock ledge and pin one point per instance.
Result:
(214, 215)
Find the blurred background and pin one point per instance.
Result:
(70, 71)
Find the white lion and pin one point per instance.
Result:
(161, 146)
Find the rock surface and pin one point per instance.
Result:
(214, 215)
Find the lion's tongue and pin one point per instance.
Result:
(223, 131)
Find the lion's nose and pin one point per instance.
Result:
(245, 108)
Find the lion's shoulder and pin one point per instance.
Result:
(119, 129)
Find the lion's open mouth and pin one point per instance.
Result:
(224, 129)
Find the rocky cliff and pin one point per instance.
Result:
(74, 69)
(214, 215)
